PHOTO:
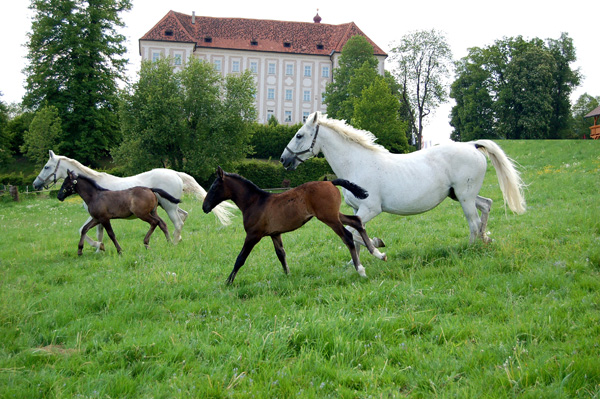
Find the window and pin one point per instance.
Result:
(308, 70)
(254, 67)
(270, 94)
(177, 59)
(235, 66)
(306, 96)
(320, 47)
(270, 114)
(208, 39)
(325, 72)
(288, 94)
(271, 68)
(305, 115)
(217, 64)
(289, 69)
(287, 44)
(288, 116)
(254, 43)
(169, 32)
(155, 56)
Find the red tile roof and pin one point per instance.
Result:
(256, 34)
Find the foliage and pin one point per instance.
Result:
(75, 63)
(44, 132)
(583, 106)
(272, 174)
(356, 85)
(377, 112)
(514, 89)
(514, 318)
(5, 153)
(268, 141)
(339, 96)
(423, 62)
(191, 120)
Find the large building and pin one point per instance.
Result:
(292, 61)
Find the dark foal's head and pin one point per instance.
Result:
(217, 193)
(68, 186)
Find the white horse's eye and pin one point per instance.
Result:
(299, 136)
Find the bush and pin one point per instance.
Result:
(268, 174)
(269, 141)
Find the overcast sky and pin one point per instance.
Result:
(465, 23)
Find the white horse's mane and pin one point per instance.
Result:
(87, 171)
(350, 133)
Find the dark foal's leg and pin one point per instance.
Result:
(280, 252)
(249, 244)
(355, 222)
(84, 231)
(347, 238)
(111, 234)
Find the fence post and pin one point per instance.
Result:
(14, 192)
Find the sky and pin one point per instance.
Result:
(465, 24)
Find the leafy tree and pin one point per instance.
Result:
(339, 97)
(74, 54)
(423, 62)
(43, 134)
(377, 111)
(583, 106)
(5, 153)
(514, 89)
(192, 120)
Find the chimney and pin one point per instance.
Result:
(193, 17)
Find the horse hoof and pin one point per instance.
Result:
(361, 271)
(378, 242)
(101, 247)
(384, 257)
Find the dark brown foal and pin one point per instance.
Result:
(104, 205)
(267, 214)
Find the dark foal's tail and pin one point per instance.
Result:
(358, 191)
(165, 195)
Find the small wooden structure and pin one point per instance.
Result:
(594, 129)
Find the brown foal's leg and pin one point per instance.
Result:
(355, 222)
(280, 252)
(249, 244)
(346, 236)
(84, 231)
(111, 234)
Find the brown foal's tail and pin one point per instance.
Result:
(165, 195)
(358, 191)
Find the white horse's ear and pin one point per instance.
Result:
(315, 117)
(52, 154)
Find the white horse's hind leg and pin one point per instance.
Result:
(182, 214)
(485, 206)
(472, 216)
(173, 213)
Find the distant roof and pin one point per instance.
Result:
(311, 38)
(595, 112)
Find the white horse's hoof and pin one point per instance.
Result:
(361, 271)
(378, 242)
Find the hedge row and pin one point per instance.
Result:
(267, 174)
(269, 141)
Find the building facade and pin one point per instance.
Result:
(292, 62)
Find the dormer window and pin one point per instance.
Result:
(287, 44)
(320, 47)
(254, 43)
(208, 39)
(169, 32)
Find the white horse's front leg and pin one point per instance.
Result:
(99, 233)
(365, 214)
(174, 212)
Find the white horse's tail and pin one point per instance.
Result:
(508, 176)
(221, 211)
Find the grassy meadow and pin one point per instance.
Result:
(519, 317)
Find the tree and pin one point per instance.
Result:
(514, 89)
(5, 153)
(192, 120)
(43, 134)
(377, 111)
(423, 62)
(74, 54)
(583, 106)
(338, 96)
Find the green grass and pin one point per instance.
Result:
(519, 317)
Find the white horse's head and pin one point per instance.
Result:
(50, 173)
(303, 145)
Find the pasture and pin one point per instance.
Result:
(519, 317)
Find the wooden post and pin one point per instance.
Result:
(14, 192)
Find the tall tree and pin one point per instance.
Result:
(514, 89)
(190, 120)
(339, 97)
(75, 63)
(580, 126)
(43, 134)
(423, 63)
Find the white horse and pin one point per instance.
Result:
(173, 182)
(407, 184)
